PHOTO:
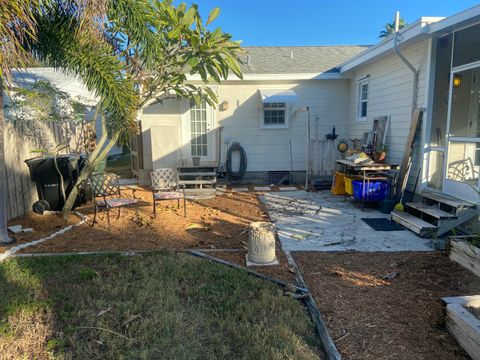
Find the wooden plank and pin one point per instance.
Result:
(10, 165)
(29, 196)
(411, 222)
(466, 255)
(381, 128)
(18, 170)
(446, 199)
(465, 328)
(431, 210)
(468, 300)
(327, 344)
(371, 166)
(196, 182)
(212, 173)
(407, 153)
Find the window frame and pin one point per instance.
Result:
(360, 83)
(277, 125)
(198, 138)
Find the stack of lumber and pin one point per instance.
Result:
(464, 253)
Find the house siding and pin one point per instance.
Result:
(269, 149)
(390, 93)
(266, 149)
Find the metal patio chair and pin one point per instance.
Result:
(106, 186)
(165, 187)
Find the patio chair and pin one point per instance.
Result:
(106, 186)
(165, 187)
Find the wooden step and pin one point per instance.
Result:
(200, 173)
(197, 182)
(431, 210)
(447, 199)
(413, 223)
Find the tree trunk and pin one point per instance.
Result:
(4, 238)
(96, 157)
(261, 243)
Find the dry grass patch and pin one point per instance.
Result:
(163, 305)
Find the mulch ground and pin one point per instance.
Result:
(387, 305)
(217, 223)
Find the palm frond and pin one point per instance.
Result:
(16, 23)
(101, 71)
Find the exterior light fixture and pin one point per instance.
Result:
(224, 106)
(457, 80)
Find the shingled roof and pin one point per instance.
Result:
(297, 59)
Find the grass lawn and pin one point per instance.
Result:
(158, 306)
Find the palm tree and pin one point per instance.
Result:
(126, 51)
(390, 28)
(160, 45)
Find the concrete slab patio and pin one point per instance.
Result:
(324, 222)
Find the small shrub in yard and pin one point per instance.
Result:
(166, 305)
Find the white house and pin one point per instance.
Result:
(345, 86)
(263, 112)
(65, 83)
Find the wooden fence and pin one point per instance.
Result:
(22, 138)
(323, 155)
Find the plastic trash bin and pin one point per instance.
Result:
(44, 173)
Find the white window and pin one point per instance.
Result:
(198, 128)
(274, 115)
(362, 100)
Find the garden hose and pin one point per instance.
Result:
(236, 175)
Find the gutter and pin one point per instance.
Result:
(415, 72)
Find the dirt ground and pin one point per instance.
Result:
(387, 305)
(217, 223)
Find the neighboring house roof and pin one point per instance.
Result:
(297, 59)
(63, 82)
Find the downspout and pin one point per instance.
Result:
(415, 72)
(220, 144)
(307, 173)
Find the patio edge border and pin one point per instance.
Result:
(14, 249)
(328, 344)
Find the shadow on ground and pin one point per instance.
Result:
(163, 305)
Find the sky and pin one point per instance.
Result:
(319, 22)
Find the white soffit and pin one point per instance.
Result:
(278, 96)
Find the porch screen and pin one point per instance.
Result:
(198, 128)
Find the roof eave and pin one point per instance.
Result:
(270, 77)
(454, 22)
(412, 33)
